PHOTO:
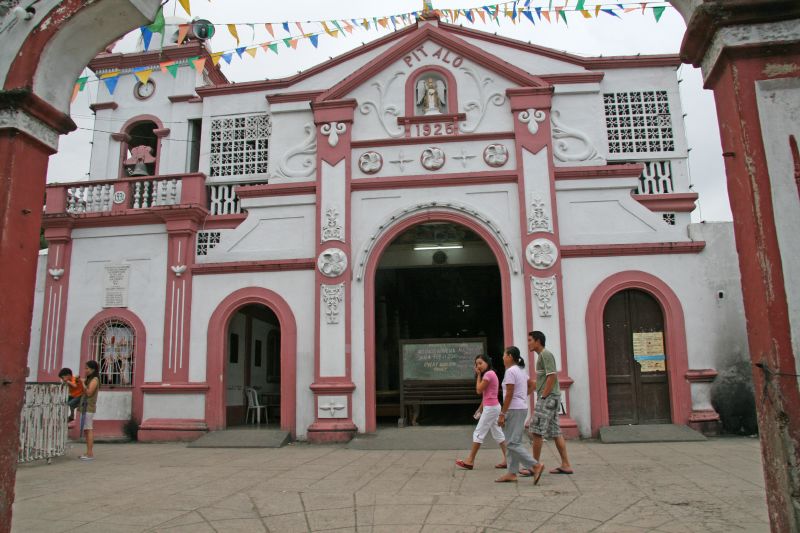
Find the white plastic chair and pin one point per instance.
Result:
(253, 406)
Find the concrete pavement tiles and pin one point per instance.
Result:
(715, 485)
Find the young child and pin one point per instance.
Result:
(486, 384)
(75, 390)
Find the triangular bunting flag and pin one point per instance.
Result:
(482, 15)
(269, 29)
(299, 27)
(227, 57)
(597, 10)
(75, 90)
(658, 11)
(644, 6)
(384, 22)
(111, 83)
(610, 12)
(586, 14)
(293, 43)
(146, 36)
(215, 57)
(337, 26)
(314, 38)
(252, 52)
(348, 28)
(468, 14)
(82, 83)
(143, 75)
(529, 15)
(563, 15)
(232, 30)
(186, 7)
(183, 30)
(325, 27)
(539, 12)
(273, 47)
(393, 21)
(285, 26)
(579, 5)
(158, 24)
(365, 23)
(288, 42)
(546, 15)
(240, 51)
(197, 63)
(173, 69)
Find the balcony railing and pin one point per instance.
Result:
(125, 194)
(43, 422)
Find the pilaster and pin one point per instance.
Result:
(333, 386)
(530, 107)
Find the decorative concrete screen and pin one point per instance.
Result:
(638, 122)
(240, 145)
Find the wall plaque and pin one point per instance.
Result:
(115, 285)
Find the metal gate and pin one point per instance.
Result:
(43, 422)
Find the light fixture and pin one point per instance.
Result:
(420, 247)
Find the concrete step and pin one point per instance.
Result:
(250, 437)
(649, 433)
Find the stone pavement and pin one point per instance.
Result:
(715, 485)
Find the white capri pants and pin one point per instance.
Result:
(488, 422)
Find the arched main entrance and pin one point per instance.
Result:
(394, 251)
(637, 383)
(233, 354)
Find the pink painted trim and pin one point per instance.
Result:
(705, 375)
(279, 189)
(369, 291)
(461, 137)
(54, 309)
(271, 265)
(128, 217)
(178, 300)
(675, 340)
(426, 119)
(704, 415)
(427, 180)
(452, 89)
(628, 170)
(139, 353)
(644, 248)
(217, 354)
(173, 423)
(171, 429)
(174, 388)
(224, 221)
(442, 38)
(299, 96)
(180, 98)
(678, 202)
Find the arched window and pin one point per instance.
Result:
(141, 150)
(113, 345)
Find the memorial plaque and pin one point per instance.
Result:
(441, 359)
(116, 285)
(648, 351)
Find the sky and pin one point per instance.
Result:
(630, 34)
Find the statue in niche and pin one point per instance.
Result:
(431, 96)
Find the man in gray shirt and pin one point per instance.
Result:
(548, 403)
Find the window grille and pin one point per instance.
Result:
(206, 240)
(669, 218)
(240, 145)
(656, 178)
(638, 121)
(113, 343)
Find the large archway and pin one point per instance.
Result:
(219, 356)
(370, 271)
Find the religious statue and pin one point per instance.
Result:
(430, 96)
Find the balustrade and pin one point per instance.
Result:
(43, 422)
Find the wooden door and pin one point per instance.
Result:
(638, 387)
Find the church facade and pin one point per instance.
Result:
(440, 186)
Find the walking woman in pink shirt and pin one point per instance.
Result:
(487, 384)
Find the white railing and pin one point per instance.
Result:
(656, 178)
(93, 198)
(43, 422)
(222, 199)
(153, 193)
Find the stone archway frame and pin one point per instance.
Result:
(397, 224)
(459, 209)
(216, 349)
(674, 341)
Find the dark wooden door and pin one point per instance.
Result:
(634, 396)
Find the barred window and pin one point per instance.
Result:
(638, 121)
(240, 145)
(113, 343)
(206, 240)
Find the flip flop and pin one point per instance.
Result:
(524, 472)
(501, 465)
(505, 480)
(465, 466)
(560, 470)
(537, 473)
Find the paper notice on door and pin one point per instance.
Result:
(648, 351)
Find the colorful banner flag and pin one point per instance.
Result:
(186, 7)
(252, 52)
(183, 30)
(658, 11)
(269, 29)
(197, 63)
(143, 75)
(147, 35)
(234, 32)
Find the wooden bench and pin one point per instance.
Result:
(434, 392)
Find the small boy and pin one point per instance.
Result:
(75, 390)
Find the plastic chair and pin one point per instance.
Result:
(253, 406)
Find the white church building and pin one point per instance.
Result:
(342, 242)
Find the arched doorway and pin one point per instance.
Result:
(278, 348)
(394, 250)
(252, 361)
(637, 383)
